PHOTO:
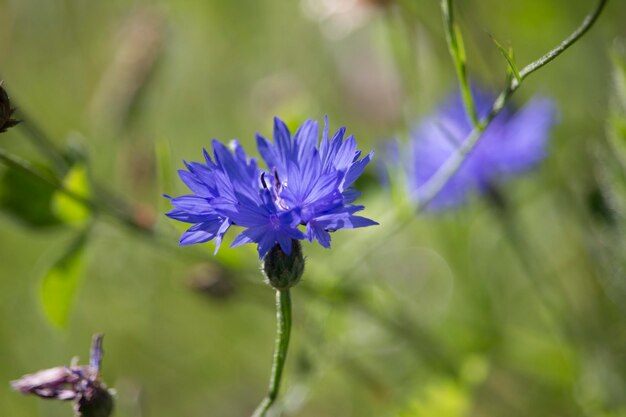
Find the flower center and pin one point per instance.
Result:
(276, 187)
(274, 221)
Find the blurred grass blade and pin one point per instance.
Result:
(616, 126)
(139, 44)
(59, 284)
(66, 208)
(508, 55)
(163, 157)
(618, 58)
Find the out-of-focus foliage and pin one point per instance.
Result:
(27, 199)
(536, 291)
(65, 207)
(59, 284)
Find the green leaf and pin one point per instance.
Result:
(59, 284)
(508, 55)
(68, 209)
(26, 198)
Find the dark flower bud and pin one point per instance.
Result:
(97, 403)
(281, 270)
(80, 384)
(6, 111)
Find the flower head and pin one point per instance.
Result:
(306, 183)
(514, 142)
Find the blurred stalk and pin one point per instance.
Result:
(565, 323)
(104, 198)
(97, 207)
(61, 163)
(401, 39)
(42, 142)
(563, 318)
(139, 46)
(457, 52)
(26, 167)
(528, 262)
(397, 321)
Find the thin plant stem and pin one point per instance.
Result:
(283, 332)
(457, 52)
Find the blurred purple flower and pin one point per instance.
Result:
(514, 142)
(306, 183)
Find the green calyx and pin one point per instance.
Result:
(283, 271)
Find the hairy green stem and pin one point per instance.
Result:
(457, 52)
(283, 318)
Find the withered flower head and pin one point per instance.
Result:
(80, 384)
(6, 121)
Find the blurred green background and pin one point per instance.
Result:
(467, 313)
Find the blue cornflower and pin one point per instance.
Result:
(514, 142)
(306, 184)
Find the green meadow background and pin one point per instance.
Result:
(474, 312)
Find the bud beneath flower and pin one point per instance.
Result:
(6, 111)
(281, 270)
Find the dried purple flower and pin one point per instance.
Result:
(80, 384)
